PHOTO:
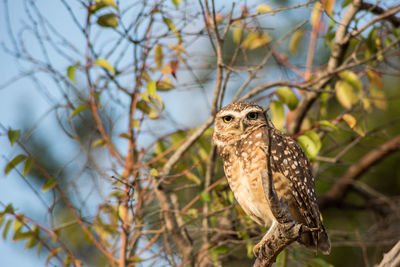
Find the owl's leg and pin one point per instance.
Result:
(266, 237)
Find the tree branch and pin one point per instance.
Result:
(392, 258)
(335, 60)
(379, 11)
(342, 185)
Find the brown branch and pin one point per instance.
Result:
(379, 11)
(282, 233)
(338, 51)
(342, 185)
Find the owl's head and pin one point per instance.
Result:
(237, 121)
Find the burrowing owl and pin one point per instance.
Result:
(241, 129)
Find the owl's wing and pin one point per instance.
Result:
(288, 158)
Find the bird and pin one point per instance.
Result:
(249, 145)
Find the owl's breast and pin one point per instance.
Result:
(243, 164)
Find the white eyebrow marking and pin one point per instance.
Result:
(230, 113)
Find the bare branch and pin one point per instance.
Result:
(342, 185)
(392, 258)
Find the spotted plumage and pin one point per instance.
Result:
(242, 134)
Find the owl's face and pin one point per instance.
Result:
(237, 121)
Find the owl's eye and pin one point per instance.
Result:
(227, 118)
(252, 115)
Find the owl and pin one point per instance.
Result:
(242, 134)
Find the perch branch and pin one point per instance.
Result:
(283, 232)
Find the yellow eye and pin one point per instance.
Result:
(227, 118)
(252, 115)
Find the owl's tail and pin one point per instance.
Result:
(316, 241)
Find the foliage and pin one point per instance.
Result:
(134, 96)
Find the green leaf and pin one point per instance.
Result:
(6, 228)
(17, 225)
(237, 35)
(158, 56)
(165, 85)
(39, 246)
(53, 253)
(13, 135)
(192, 177)
(71, 73)
(320, 263)
(351, 78)
(277, 114)
(152, 87)
(107, 3)
(33, 240)
(22, 235)
(108, 20)
(102, 62)
(345, 94)
(220, 250)
(328, 124)
(14, 162)
(50, 183)
(263, 8)
(294, 41)
(205, 196)
(28, 165)
(308, 145)
(287, 96)
(315, 138)
(78, 110)
(9, 209)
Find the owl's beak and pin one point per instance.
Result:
(241, 126)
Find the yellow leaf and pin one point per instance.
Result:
(99, 142)
(263, 8)
(237, 35)
(154, 172)
(345, 94)
(294, 41)
(315, 14)
(375, 78)
(166, 69)
(378, 98)
(350, 120)
(102, 62)
(329, 4)
(107, 3)
(158, 56)
(277, 114)
(255, 40)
